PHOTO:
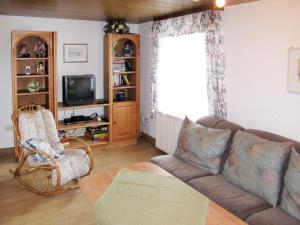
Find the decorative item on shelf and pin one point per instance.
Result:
(40, 68)
(40, 48)
(127, 50)
(115, 50)
(120, 96)
(96, 117)
(27, 70)
(24, 51)
(116, 26)
(33, 86)
(128, 66)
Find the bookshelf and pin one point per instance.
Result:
(122, 75)
(30, 50)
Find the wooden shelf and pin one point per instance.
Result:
(75, 144)
(22, 59)
(25, 92)
(63, 126)
(124, 87)
(32, 76)
(124, 72)
(121, 102)
(61, 106)
(124, 57)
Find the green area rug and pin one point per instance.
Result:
(138, 198)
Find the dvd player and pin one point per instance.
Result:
(77, 119)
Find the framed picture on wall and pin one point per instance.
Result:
(75, 53)
(294, 70)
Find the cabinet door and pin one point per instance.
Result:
(124, 121)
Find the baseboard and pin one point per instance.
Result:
(148, 138)
(7, 149)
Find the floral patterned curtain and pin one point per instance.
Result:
(210, 23)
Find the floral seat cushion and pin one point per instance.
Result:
(74, 164)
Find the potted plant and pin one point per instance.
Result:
(116, 26)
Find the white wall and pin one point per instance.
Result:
(147, 124)
(257, 38)
(69, 31)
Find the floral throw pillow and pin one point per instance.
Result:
(290, 201)
(256, 165)
(201, 146)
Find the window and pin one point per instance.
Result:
(182, 76)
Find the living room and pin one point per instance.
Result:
(244, 70)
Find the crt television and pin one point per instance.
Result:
(79, 89)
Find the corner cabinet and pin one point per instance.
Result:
(33, 70)
(122, 84)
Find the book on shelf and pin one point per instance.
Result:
(119, 65)
(126, 79)
(97, 130)
(120, 80)
(99, 133)
(97, 137)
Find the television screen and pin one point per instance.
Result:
(79, 88)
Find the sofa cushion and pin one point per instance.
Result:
(272, 216)
(209, 121)
(273, 137)
(217, 123)
(179, 168)
(201, 146)
(229, 196)
(256, 165)
(290, 201)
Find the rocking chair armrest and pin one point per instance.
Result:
(45, 155)
(87, 149)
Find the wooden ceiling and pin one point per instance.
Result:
(134, 11)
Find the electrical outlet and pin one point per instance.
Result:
(8, 128)
(146, 120)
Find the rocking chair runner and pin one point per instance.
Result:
(53, 174)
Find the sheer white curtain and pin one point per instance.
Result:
(182, 76)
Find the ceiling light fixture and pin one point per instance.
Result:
(220, 3)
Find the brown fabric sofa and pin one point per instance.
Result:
(252, 209)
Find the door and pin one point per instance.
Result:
(124, 120)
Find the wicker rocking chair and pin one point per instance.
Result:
(38, 170)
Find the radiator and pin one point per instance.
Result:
(167, 130)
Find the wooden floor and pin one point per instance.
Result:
(19, 206)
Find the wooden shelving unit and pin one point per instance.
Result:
(61, 106)
(26, 93)
(124, 115)
(91, 143)
(63, 126)
(46, 96)
(29, 59)
(32, 76)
